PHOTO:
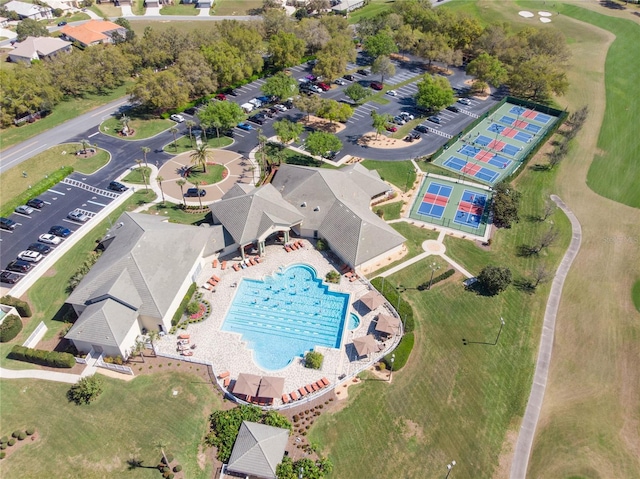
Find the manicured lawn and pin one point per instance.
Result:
(140, 198)
(143, 128)
(212, 176)
(400, 173)
(138, 175)
(371, 10)
(236, 7)
(176, 214)
(107, 10)
(137, 7)
(292, 157)
(185, 144)
(391, 210)
(12, 182)
(122, 424)
(635, 293)
(138, 25)
(64, 111)
(179, 9)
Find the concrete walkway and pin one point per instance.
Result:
(534, 405)
(89, 370)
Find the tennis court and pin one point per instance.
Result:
(531, 114)
(470, 208)
(470, 169)
(510, 132)
(521, 124)
(485, 156)
(435, 200)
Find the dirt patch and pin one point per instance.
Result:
(413, 429)
(320, 124)
(506, 455)
(483, 95)
(373, 140)
(10, 450)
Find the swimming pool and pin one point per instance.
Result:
(286, 315)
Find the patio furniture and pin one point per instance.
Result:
(293, 395)
(365, 345)
(325, 381)
(226, 382)
(184, 336)
(207, 286)
(258, 260)
(372, 300)
(314, 387)
(252, 262)
(215, 263)
(216, 278)
(236, 267)
(223, 266)
(303, 392)
(285, 398)
(223, 375)
(287, 249)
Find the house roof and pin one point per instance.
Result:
(33, 47)
(248, 216)
(24, 9)
(258, 450)
(145, 247)
(91, 31)
(105, 323)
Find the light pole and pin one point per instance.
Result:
(393, 358)
(465, 342)
(301, 473)
(449, 467)
(434, 267)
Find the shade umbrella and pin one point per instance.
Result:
(388, 324)
(247, 385)
(365, 345)
(372, 300)
(270, 387)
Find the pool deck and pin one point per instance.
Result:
(227, 352)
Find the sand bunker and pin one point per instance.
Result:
(545, 20)
(525, 14)
(545, 14)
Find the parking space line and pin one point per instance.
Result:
(96, 203)
(57, 192)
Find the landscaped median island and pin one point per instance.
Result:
(134, 128)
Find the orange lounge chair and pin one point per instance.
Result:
(212, 282)
(258, 260)
(314, 386)
(348, 274)
(319, 384)
(215, 263)
(223, 375)
(223, 266)
(226, 382)
(325, 381)
(353, 278)
(300, 245)
(236, 267)
(287, 249)
(303, 392)
(216, 278)
(285, 398)
(253, 263)
(294, 396)
(184, 336)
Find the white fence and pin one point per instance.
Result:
(35, 337)
(114, 367)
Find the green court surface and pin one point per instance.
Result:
(452, 204)
(496, 146)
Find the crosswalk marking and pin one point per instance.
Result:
(92, 189)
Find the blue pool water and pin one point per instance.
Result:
(286, 315)
(354, 322)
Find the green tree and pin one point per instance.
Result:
(487, 69)
(174, 130)
(538, 78)
(357, 92)
(286, 49)
(434, 93)
(31, 28)
(313, 360)
(201, 155)
(383, 66)
(196, 73)
(86, 390)
(333, 58)
(315, 35)
(280, 85)
(287, 130)
(143, 172)
(145, 150)
(494, 279)
(380, 44)
(308, 104)
(190, 124)
(197, 184)
(181, 182)
(505, 205)
(159, 91)
(321, 144)
(221, 115)
(159, 180)
(379, 122)
(333, 110)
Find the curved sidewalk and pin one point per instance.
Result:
(534, 405)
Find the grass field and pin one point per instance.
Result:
(138, 175)
(179, 9)
(212, 176)
(119, 426)
(176, 214)
(137, 7)
(400, 173)
(13, 182)
(143, 128)
(138, 25)
(64, 111)
(391, 211)
(107, 10)
(635, 294)
(371, 10)
(236, 7)
(185, 144)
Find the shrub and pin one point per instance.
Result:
(22, 307)
(178, 468)
(22, 436)
(332, 276)
(193, 307)
(86, 390)
(4, 440)
(15, 433)
(11, 442)
(3, 455)
(52, 359)
(402, 352)
(31, 431)
(3, 446)
(313, 360)
(10, 328)
(169, 458)
(183, 305)
(321, 245)
(441, 277)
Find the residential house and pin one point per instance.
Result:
(345, 6)
(93, 32)
(4, 22)
(29, 10)
(38, 48)
(257, 451)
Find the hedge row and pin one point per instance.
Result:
(183, 305)
(441, 277)
(402, 353)
(10, 328)
(40, 187)
(52, 359)
(22, 307)
(405, 310)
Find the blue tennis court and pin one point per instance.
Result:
(454, 163)
(542, 118)
(517, 110)
(495, 128)
(533, 128)
(467, 219)
(439, 190)
(431, 209)
(482, 140)
(480, 172)
(500, 162)
(474, 198)
(510, 150)
(522, 136)
(469, 150)
(508, 120)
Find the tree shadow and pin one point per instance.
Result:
(540, 167)
(66, 314)
(526, 251)
(612, 5)
(524, 285)
(479, 289)
(135, 463)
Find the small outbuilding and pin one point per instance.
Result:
(258, 450)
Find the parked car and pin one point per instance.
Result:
(177, 118)
(191, 111)
(435, 119)
(324, 86)
(392, 93)
(35, 203)
(256, 102)
(280, 107)
(311, 77)
(62, 23)
(24, 209)
(422, 129)
(453, 108)
(406, 116)
(245, 126)
(332, 155)
(364, 73)
(40, 248)
(30, 256)
(221, 97)
(412, 136)
(464, 101)
(340, 82)
(376, 85)
(232, 93)
(60, 231)
(195, 192)
(9, 277)
(49, 239)
(115, 186)
(7, 224)
(315, 88)
(312, 63)
(398, 120)
(349, 77)
(391, 127)
(19, 266)
(78, 216)
(259, 119)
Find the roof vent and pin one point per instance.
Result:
(304, 204)
(120, 225)
(317, 208)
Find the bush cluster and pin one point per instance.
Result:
(402, 352)
(10, 328)
(53, 359)
(441, 277)
(313, 360)
(86, 390)
(22, 307)
(183, 305)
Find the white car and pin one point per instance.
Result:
(280, 107)
(24, 209)
(30, 256)
(392, 93)
(406, 116)
(340, 82)
(315, 88)
(49, 239)
(78, 216)
(398, 120)
(464, 101)
(177, 118)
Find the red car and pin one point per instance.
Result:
(221, 97)
(391, 128)
(324, 86)
(376, 85)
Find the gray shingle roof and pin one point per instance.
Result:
(43, 46)
(105, 323)
(258, 450)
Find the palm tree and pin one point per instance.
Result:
(174, 130)
(124, 119)
(138, 348)
(196, 183)
(153, 336)
(190, 124)
(143, 172)
(262, 142)
(160, 179)
(201, 155)
(85, 145)
(181, 184)
(145, 150)
(161, 445)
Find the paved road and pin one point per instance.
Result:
(534, 405)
